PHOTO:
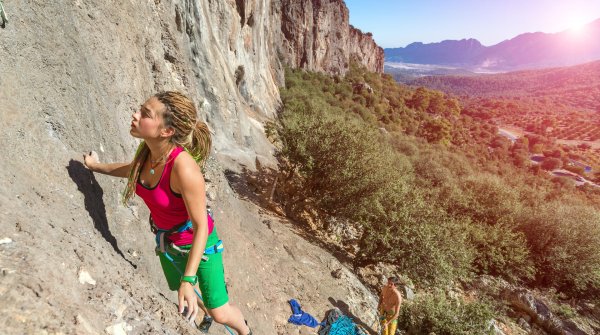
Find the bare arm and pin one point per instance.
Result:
(112, 169)
(397, 306)
(194, 197)
(188, 180)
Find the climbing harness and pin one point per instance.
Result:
(170, 248)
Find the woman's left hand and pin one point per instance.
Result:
(187, 295)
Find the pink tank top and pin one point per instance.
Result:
(167, 208)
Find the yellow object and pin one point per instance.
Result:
(390, 328)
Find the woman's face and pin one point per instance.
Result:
(147, 122)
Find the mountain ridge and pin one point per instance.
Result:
(527, 50)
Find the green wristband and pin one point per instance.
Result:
(190, 279)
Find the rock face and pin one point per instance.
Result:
(74, 260)
(531, 311)
(522, 300)
(318, 37)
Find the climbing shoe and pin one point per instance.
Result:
(204, 326)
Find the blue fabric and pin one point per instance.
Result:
(301, 318)
(214, 249)
(344, 326)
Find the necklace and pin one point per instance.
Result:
(155, 163)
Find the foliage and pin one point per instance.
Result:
(581, 80)
(501, 251)
(574, 168)
(436, 313)
(551, 163)
(565, 311)
(424, 242)
(433, 187)
(435, 130)
(343, 163)
(486, 198)
(564, 239)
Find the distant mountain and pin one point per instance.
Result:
(462, 52)
(526, 51)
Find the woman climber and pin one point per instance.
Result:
(166, 174)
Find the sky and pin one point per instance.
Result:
(396, 23)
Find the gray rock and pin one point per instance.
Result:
(496, 328)
(337, 273)
(408, 293)
(524, 324)
(523, 300)
(211, 195)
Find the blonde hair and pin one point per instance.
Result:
(193, 135)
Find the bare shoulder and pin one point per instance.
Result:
(184, 164)
(398, 294)
(186, 169)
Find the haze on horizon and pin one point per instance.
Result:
(397, 23)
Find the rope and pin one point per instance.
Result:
(166, 254)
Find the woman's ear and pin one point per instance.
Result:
(167, 132)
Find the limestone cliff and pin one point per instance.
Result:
(245, 42)
(72, 259)
(317, 36)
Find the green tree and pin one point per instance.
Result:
(501, 251)
(343, 163)
(564, 240)
(436, 130)
(486, 198)
(428, 245)
(435, 313)
(419, 100)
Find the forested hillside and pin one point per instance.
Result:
(558, 107)
(575, 86)
(433, 192)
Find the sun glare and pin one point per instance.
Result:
(577, 25)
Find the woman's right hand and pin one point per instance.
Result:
(90, 160)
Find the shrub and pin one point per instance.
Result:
(435, 130)
(501, 251)
(537, 148)
(564, 240)
(342, 162)
(422, 241)
(486, 198)
(435, 313)
(584, 146)
(347, 171)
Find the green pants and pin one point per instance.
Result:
(211, 275)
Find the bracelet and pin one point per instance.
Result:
(190, 279)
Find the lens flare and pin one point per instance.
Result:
(577, 25)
